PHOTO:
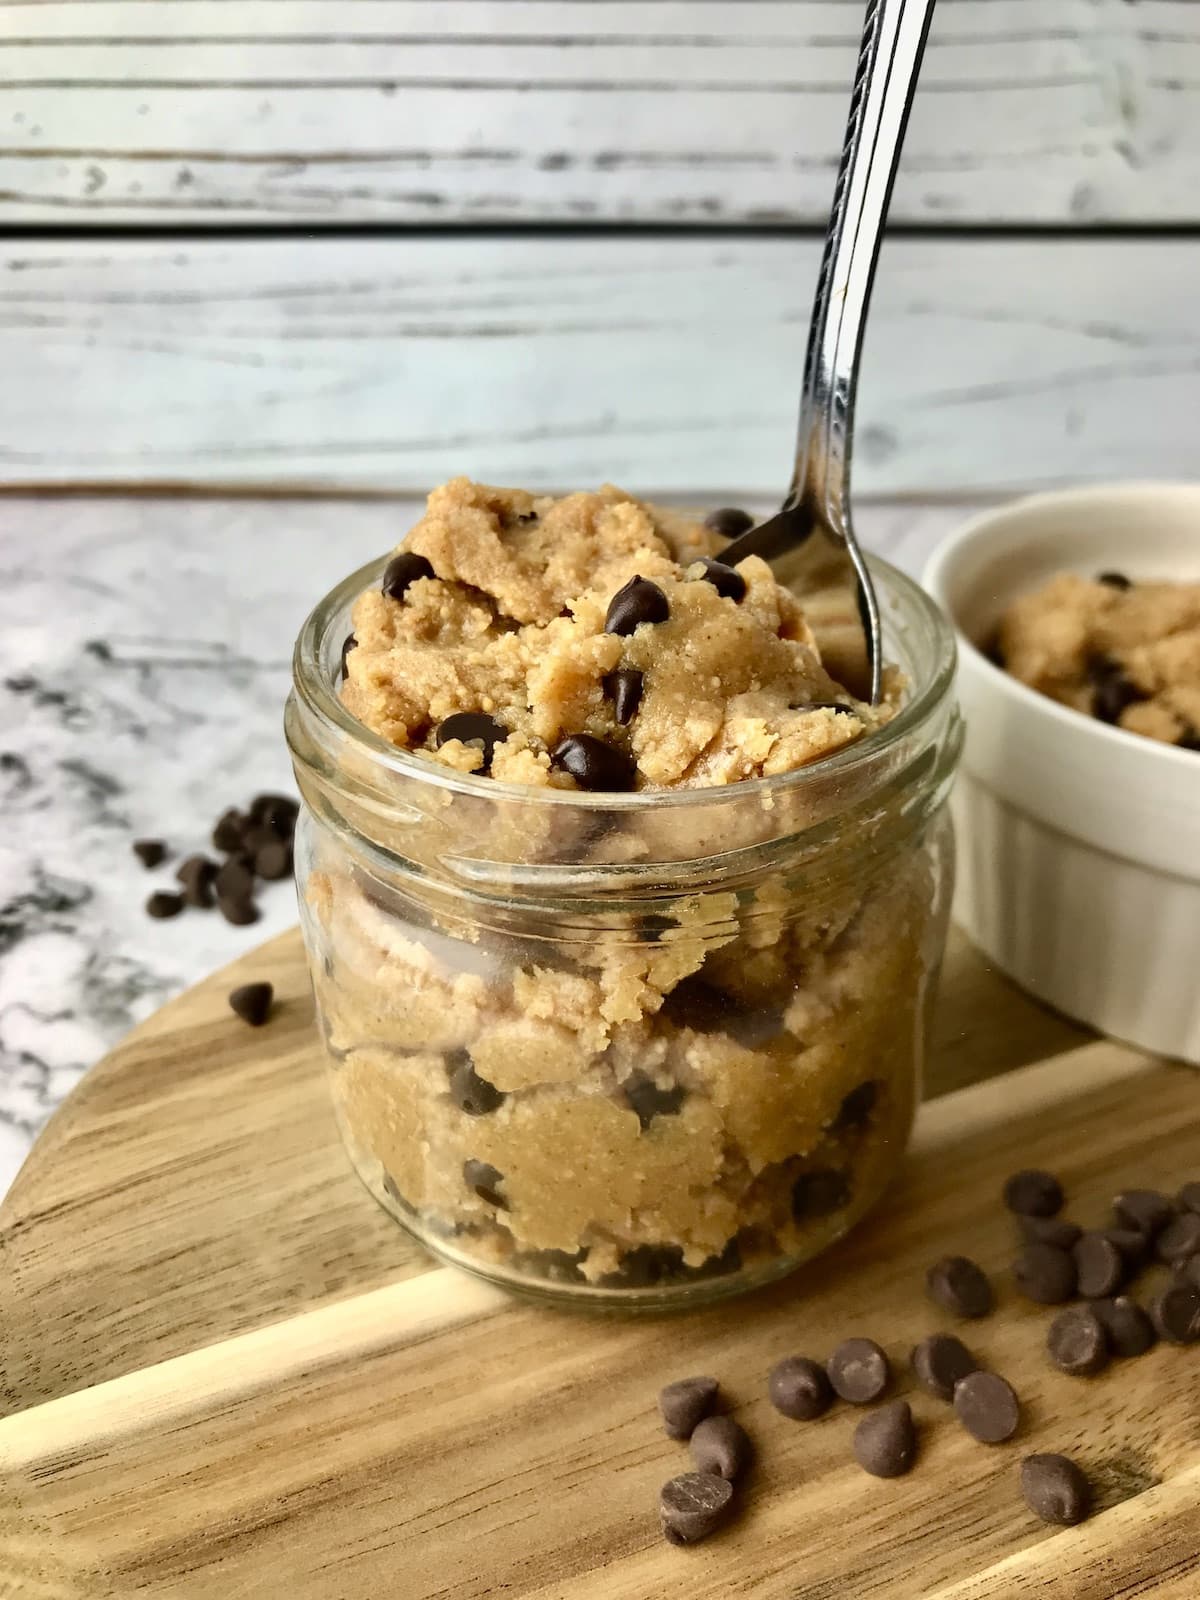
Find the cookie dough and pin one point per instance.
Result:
(1125, 652)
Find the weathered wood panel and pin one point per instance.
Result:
(667, 364)
(330, 111)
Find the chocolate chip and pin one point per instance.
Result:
(197, 875)
(649, 1101)
(485, 1180)
(858, 1371)
(401, 571)
(1050, 1230)
(1115, 580)
(636, 602)
(940, 1362)
(720, 1445)
(1099, 1266)
(227, 835)
(274, 860)
(729, 521)
(593, 764)
(1189, 1271)
(800, 1388)
(885, 1443)
(1134, 1245)
(1033, 1193)
(1188, 1198)
(1176, 1313)
(692, 1003)
(645, 1266)
(1179, 1239)
(685, 1403)
(693, 1505)
(1189, 739)
(471, 1093)
(1045, 1274)
(1130, 1331)
(278, 812)
(726, 580)
(854, 1113)
(987, 1407)
(234, 880)
(162, 903)
(816, 1194)
(624, 688)
(959, 1286)
(239, 912)
(1114, 692)
(1078, 1343)
(473, 727)
(1055, 1489)
(349, 643)
(252, 1002)
(1145, 1209)
(150, 852)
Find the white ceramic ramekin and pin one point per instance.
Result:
(1079, 844)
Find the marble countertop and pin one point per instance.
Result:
(144, 656)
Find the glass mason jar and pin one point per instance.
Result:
(626, 1049)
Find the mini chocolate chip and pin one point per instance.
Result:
(649, 1101)
(693, 1505)
(274, 860)
(940, 1362)
(720, 1445)
(685, 1403)
(1189, 739)
(1114, 580)
(726, 580)
(1114, 692)
(858, 1371)
(729, 521)
(816, 1194)
(885, 1443)
(401, 571)
(1046, 1274)
(234, 881)
(485, 1180)
(252, 1002)
(150, 852)
(163, 903)
(1130, 1331)
(227, 834)
(636, 602)
(473, 727)
(350, 642)
(1179, 1239)
(987, 1407)
(238, 911)
(959, 1286)
(854, 1113)
(197, 875)
(1176, 1313)
(1050, 1230)
(471, 1093)
(593, 764)
(1055, 1489)
(624, 688)
(1078, 1343)
(1145, 1209)
(1099, 1266)
(1033, 1193)
(800, 1388)
(1188, 1198)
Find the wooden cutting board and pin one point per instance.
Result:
(226, 1373)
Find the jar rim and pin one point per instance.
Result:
(314, 686)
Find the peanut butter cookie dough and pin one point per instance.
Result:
(1127, 653)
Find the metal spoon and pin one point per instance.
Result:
(810, 543)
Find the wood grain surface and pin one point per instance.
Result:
(243, 1384)
(334, 111)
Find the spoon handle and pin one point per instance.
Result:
(893, 42)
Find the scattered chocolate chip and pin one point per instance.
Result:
(1050, 1230)
(1115, 580)
(274, 860)
(278, 812)
(646, 1266)
(624, 688)
(471, 1093)
(685, 1403)
(940, 1362)
(252, 1002)
(349, 643)
(726, 580)
(649, 1101)
(816, 1194)
(800, 1388)
(693, 1505)
(1188, 1198)
(593, 764)
(720, 1445)
(1099, 1266)
(239, 912)
(1179, 1239)
(729, 521)
(636, 602)
(1078, 1343)
(1130, 1331)
(858, 1371)
(197, 875)
(1189, 1271)
(1045, 1274)
(473, 727)
(1144, 1209)
(485, 1180)
(1033, 1193)
(234, 880)
(163, 903)
(1113, 691)
(885, 1443)
(403, 570)
(1055, 1489)
(959, 1286)
(1176, 1312)
(854, 1113)
(150, 852)
(1134, 1245)
(227, 835)
(987, 1407)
